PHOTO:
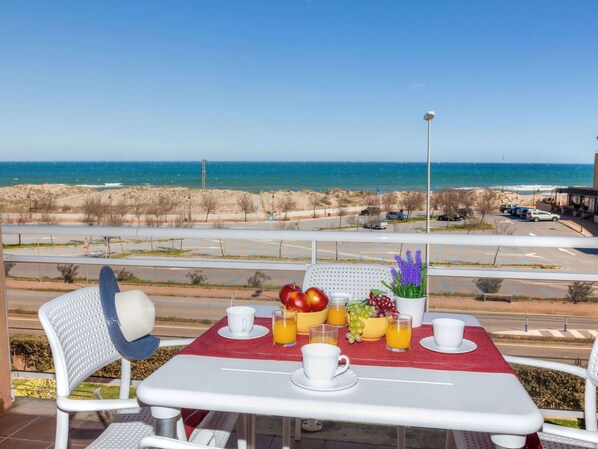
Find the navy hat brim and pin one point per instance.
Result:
(140, 349)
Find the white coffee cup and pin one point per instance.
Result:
(320, 362)
(240, 320)
(448, 333)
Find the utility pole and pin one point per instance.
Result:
(203, 174)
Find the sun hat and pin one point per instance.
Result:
(130, 317)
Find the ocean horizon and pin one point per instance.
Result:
(319, 176)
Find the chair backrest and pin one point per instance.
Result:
(593, 364)
(78, 336)
(357, 279)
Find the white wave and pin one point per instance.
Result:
(106, 185)
(528, 187)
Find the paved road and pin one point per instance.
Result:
(567, 259)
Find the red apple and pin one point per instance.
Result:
(286, 290)
(298, 301)
(317, 299)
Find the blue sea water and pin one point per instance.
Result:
(255, 176)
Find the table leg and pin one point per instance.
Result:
(242, 432)
(166, 421)
(508, 441)
(251, 431)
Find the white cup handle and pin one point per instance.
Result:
(341, 369)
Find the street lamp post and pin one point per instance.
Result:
(428, 117)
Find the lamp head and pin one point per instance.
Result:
(429, 116)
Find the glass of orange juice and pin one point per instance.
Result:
(284, 327)
(336, 309)
(398, 332)
(323, 333)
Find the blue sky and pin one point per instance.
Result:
(298, 80)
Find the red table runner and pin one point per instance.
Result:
(486, 358)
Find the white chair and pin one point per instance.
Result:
(78, 336)
(357, 279)
(551, 436)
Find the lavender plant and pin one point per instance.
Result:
(409, 281)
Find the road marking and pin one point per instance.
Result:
(555, 333)
(533, 333)
(566, 251)
(576, 333)
(233, 281)
(593, 333)
(532, 234)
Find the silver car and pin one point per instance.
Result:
(540, 215)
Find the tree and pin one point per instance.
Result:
(286, 204)
(486, 203)
(94, 210)
(208, 202)
(449, 201)
(467, 198)
(342, 202)
(47, 205)
(138, 210)
(488, 285)
(68, 272)
(245, 203)
(389, 200)
(372, 200)
(161, 208)
(315, 201)
(579, 291)
(502, 229)
(413, 200)
(258, 279)
(326, 202)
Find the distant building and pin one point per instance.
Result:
(579, 201)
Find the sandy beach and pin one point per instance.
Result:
(66, 202)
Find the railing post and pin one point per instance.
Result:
(526, 323)
(314, 251)
(5, 382)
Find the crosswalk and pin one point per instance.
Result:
(553, 333)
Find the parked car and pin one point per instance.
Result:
(464, 212)
(396, 215)
(503, 207)
(378, 224)
(371, 210)
(522, 211)
(540, 215)
(450, 217)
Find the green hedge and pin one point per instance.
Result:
(548, 389)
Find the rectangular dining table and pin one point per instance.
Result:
(475, 391)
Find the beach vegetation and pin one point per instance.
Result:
(257, 279)
(412, 200)
(448, 201)
(372, 200)
(208, 202)
(94, 210)
(197, 277)
(467, 198)
(68, 272)
(7, 267)
(579, 291)
(245, 203)
(488, 285)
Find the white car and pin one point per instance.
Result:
(540, 215)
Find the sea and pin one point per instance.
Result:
(319, 176)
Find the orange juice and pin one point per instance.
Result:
(398, 336)
(284, 331)
(337, 315)
(328, 339)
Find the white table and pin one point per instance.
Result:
(457, 400)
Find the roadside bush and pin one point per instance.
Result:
(68, 272)
(579, 291)
(197, 277)
(124, 275)
(488, 285)
(7, 267)
(258, 279)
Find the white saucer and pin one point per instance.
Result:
(257, 332)
(466, 346)
(341, 382)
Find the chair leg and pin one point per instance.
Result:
(242, 432)
(298, 429)
(286, 433)
(62, 430)
(401, 437)
(251, 423)
(450, 440)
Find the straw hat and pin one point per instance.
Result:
(130, 317)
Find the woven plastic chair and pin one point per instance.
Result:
(551, 436)
(78, 336)
(357, 279)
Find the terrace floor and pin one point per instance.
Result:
(30, 424)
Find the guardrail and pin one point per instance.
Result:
(314, 237)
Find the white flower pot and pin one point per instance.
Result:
(414, 307)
